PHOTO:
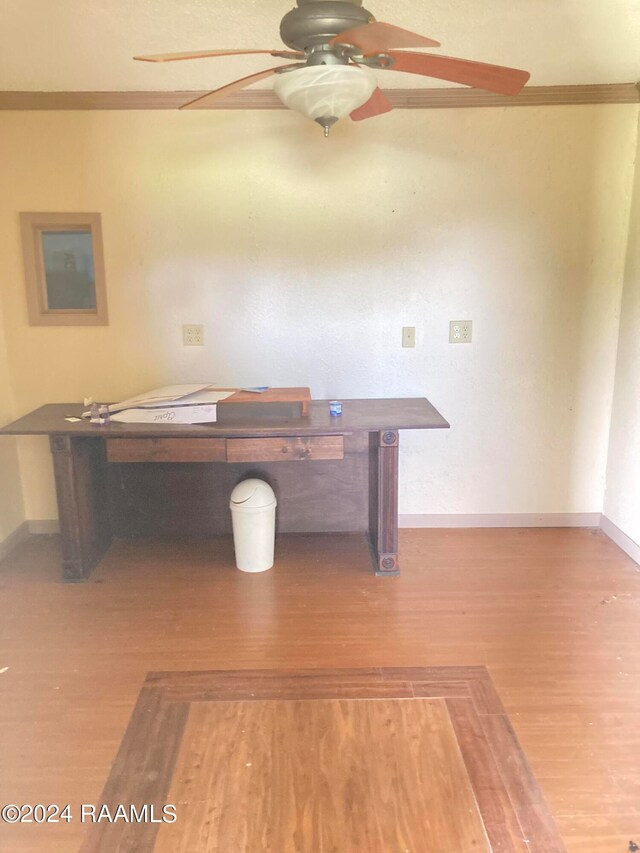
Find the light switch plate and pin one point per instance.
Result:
(460, 331)
(408, 336)
(193, 335)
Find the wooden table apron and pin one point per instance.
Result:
(330, 474)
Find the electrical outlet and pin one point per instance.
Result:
(193, 335)
(408, 336)
(460, 331)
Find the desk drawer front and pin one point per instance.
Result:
(166, 450)
(315, 447)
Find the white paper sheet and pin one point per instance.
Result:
(168, 415)
(169, 396)
(205, 396)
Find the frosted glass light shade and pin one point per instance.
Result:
(325, 91)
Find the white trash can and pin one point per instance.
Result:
(253, 515)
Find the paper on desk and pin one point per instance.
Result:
(198, 414)
(169, 396)
(198, 398)
(159, 396)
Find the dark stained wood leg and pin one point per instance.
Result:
(383, 502)
(85, 528)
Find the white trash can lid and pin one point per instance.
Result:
(253, 494)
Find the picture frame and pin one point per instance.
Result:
(64, 269)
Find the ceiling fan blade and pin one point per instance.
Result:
(377, 37)
(377, 104)
(203, 54)
(211, 98)
(493, 78)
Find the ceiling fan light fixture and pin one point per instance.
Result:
(325, 93)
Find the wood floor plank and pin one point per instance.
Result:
(497, 810)
(601, 834)
(256, 684)
(524, 792)
(141, 775)
(325, 775)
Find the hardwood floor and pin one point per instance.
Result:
(418, 759)
(553, 614)
(333, 808)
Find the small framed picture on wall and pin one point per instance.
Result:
(64, 269)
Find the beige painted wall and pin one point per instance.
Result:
(622, 499)
(305, 257)
(11, 503)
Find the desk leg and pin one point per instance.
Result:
(80, 473)
(383, 502)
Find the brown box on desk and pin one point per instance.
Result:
(270, 405)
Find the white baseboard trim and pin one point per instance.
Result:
(620, 538)
(419, 520)
(512, 519)
(14, 539)
(47, 526)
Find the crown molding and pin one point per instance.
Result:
(265, 99)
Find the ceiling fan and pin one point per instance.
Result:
(336, 43)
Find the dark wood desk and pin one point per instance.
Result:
(329, 474)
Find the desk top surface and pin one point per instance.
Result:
(357, 416)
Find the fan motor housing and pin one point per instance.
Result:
(316, 22)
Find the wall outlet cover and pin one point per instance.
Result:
(193, 335)
(460, 331)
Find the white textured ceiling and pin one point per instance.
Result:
(58, 45)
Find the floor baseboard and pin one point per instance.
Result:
(49, 526)
(14, 539)
(626, 543)
(511, 519)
